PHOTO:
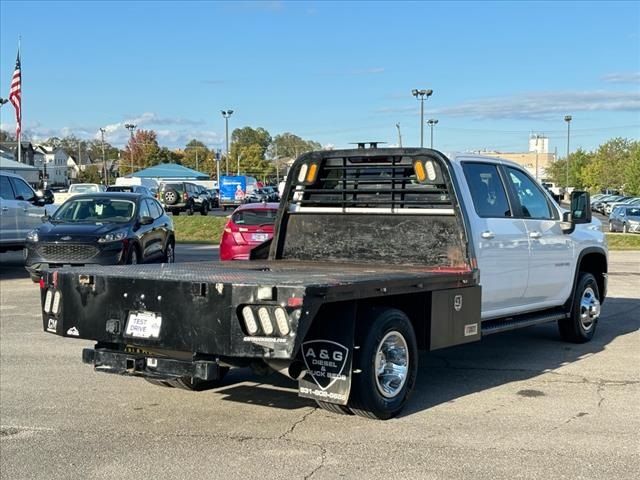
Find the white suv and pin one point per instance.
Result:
(21, 210)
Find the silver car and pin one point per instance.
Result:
(625, 219)
(21, 210)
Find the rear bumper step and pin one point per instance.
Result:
(503, 325)
(122, 363)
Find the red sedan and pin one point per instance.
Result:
(249, 226)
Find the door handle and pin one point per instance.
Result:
(488, 234)
(5, 209)
(535, 235)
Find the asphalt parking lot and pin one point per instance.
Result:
(516, 405)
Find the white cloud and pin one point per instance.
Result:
(622, 77)
(536, 105)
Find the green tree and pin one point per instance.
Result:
(90, 174)
(197, 155)
(142, 151)
(632, 171)
(288, 145)
(247, 136)
(6, 136)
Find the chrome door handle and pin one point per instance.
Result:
(535, 235)
(488, 234)
(5, 209)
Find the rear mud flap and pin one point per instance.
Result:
(327, 353)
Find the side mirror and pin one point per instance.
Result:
(580, 207)
(146, 220)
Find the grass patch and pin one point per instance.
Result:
(198, 228)
(623, 241)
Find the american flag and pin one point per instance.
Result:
(15, 95)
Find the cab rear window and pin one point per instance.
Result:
(262, 216)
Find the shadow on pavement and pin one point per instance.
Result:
(452, 373)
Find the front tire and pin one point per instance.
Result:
(133, 258)
(625, 229)
(170, 253)
(388, 364)
(611, 229)
(581, 324)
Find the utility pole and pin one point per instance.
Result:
(218, 168)
(131, 127)
(567, 118)
(399, 135)
(421, 94)
(226, 114)
(104, 161)
(239, 163)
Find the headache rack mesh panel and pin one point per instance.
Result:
(387, 182)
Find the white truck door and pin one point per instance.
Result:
(501, 241)
(552, 253)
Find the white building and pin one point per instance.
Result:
(55, 164)
(538, 143)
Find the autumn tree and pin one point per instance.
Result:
(196, 155)
(141, 151)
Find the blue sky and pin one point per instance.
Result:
(334, 72)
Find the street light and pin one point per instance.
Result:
(567, 118)
(131, 127)
(3, 101)
(420, 94)
(226, 114)
(432, 122)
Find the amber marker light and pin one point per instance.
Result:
(418, 167)
(312, 173)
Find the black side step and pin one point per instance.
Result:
(511, 323)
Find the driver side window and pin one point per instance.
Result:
(23, 191)
(144, 210)
(533, 202)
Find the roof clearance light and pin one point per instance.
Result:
(265, 321)
(281, 321)
(303, 172)
(312, 173)
(47, 301)
(249, 321)
(418, 167)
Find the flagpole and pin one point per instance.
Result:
(20, 131)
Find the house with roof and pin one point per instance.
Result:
(53, 161)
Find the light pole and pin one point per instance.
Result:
(226, 114)
(104, 162)
(420, 94)
(399, 135)
(432, 122)
(131, 127)
(567, 118)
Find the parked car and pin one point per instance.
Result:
(214, 193)
(131, 189)
(272, 194)
(625, 219)
(102, 229)
(627, 201)
(21, 209)
(249, 226)
(202, 200)
(76, 189)
(607, 205)
(598, 205)
(178, 197)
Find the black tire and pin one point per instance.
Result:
(333, 408)
(196, 385)
(170, 197)
(133, 256)
(205, 209)
(366, 399)
(170, 252)
(581, 324)
(189, 209)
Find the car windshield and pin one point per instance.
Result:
(84, 188)
(262, 216)
(95, 210)
(633, 212)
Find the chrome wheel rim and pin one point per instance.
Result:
(589, 309)
(391, 364)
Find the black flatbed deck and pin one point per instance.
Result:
(285, 273)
